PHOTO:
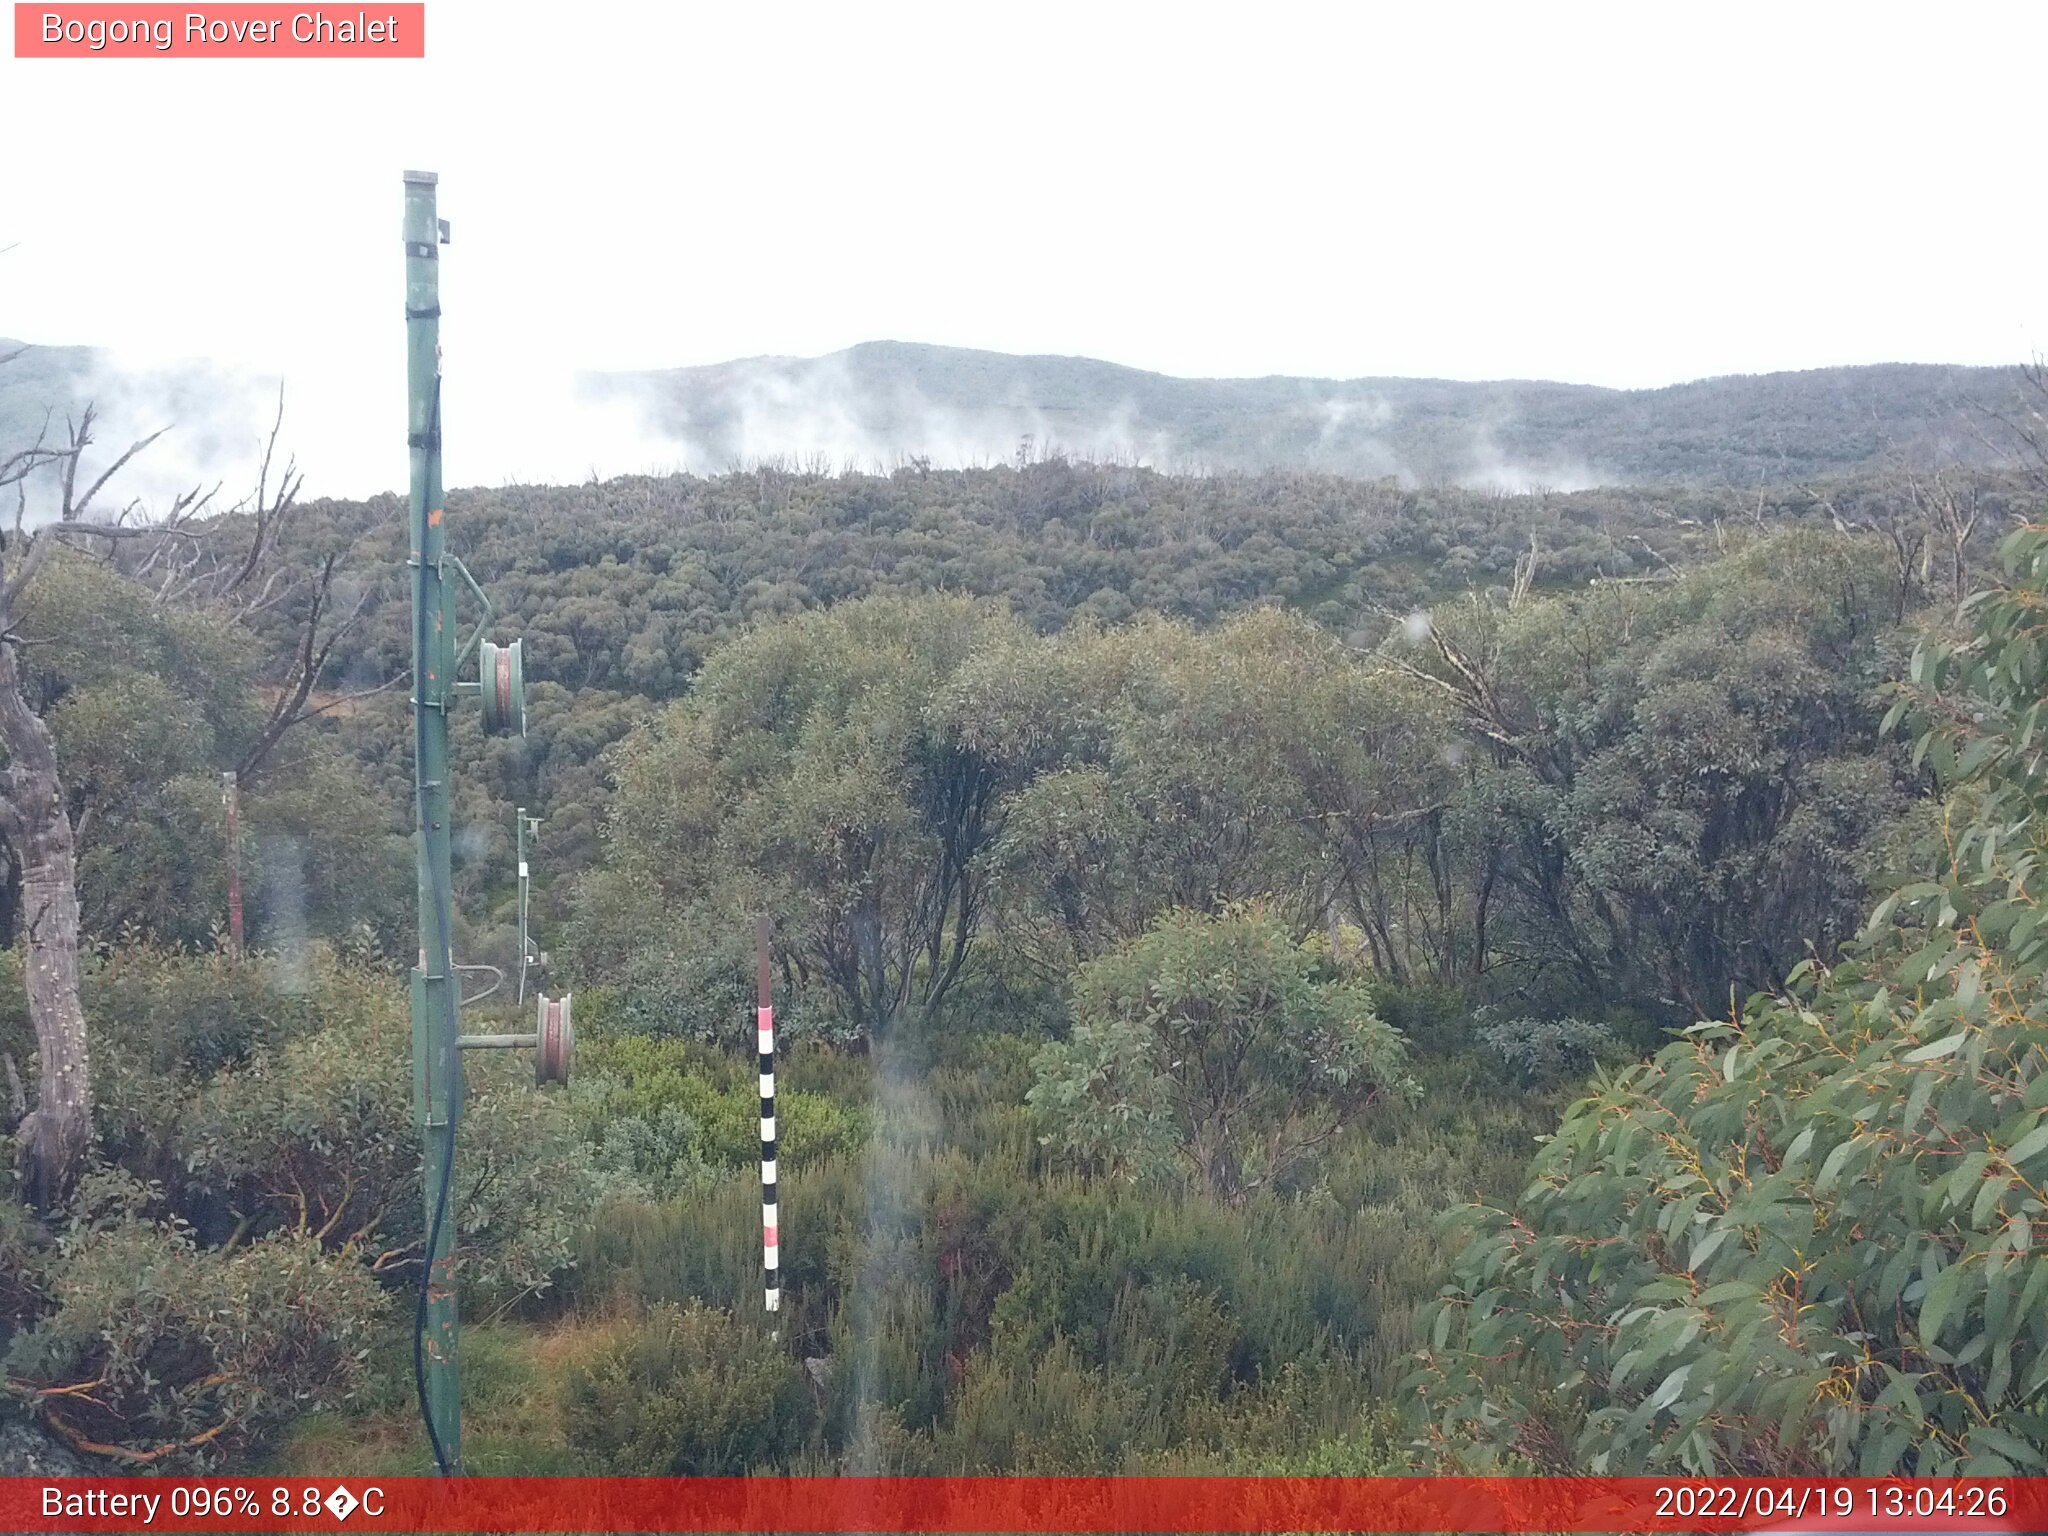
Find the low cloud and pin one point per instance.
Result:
(820, 412)
(1489, 469)
(511, 419)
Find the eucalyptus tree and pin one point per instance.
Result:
(1802, 1239)
(1195, 768)
(818, 771)
(1686, 775)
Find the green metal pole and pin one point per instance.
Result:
(437, 1064)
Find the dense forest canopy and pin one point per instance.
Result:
(620, 589)
(1184, 887)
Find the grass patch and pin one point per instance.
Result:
(978, 1307)
(511, 1412)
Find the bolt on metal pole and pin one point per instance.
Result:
(436, 999)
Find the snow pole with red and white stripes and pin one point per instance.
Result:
(764, 1023)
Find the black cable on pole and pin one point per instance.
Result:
(446, 917)
(419, 1316)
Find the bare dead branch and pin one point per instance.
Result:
(269, 514)
(73, 507)
(309, 664)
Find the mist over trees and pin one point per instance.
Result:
(885, 401)
(882, 404)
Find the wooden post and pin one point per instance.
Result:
(232, 796)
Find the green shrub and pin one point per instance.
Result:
(1433, 1018)
(314, 1136)
(163, 1023)
(677, 973)
(686, 1391)
(659, 1153)
(1548, 1050)
(1048, 1413)
(694, 1106)
(177, 1013)
(1212, 1046)
(25, 1256)
(156, 1352)
(17, 1035)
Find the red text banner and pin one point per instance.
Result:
(227, 31)
(1019, 1504)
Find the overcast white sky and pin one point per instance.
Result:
(1626, 195)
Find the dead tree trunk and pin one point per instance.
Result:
(54, 1135)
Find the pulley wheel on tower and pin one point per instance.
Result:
(556, 1046)
(502, 682)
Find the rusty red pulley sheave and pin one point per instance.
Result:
(502, 684)
(556, 1046)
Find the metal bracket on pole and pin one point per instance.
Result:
(500, 669)
(553, 1041)
(497, 981)
(482, 624)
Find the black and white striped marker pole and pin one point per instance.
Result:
(764, 1023)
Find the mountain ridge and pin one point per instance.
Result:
(881, 404)
(1512, 433)
(894, 344)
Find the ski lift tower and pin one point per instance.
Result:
(500, 687)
